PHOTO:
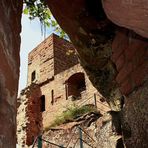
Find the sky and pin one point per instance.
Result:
(30, 37)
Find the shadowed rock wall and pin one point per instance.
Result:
(130, 54)
(10, 28)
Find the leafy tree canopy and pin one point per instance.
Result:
(39, 9)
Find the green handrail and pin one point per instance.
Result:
(40, 141)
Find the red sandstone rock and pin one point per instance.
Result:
(132, 55)
(131, 14)
(10, 27)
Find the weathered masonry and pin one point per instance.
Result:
(55, 80)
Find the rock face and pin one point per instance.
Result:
(68, 134)
(108, 131)
(131, 14)
(130, 53)
(97, 131)
(10, 27)
(130, 57)
(135, 119)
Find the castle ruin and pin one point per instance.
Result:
(56, 80)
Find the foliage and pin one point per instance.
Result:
(71, 114)
(39, 9)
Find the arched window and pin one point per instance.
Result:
(76, 85)
(42, 104)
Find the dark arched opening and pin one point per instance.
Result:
(76, 85)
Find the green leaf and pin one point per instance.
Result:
(25, 11)
(39, 9)
(54, 23)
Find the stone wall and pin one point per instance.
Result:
(21, 120)
(64, 54)
(41, 61)
(29, 116)
(50, 57)
(10, 28)
(63, 59)
(61, 102)
(54, 88)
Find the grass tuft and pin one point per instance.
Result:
(71, 114)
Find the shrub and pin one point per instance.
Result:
(71, 114)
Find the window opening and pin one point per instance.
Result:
(33, 76)
(76, 86)
(52, 97)
(42, 105)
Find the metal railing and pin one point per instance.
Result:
(39, 140)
